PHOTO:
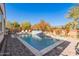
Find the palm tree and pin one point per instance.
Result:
(74, 14)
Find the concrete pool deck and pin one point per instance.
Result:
(13, 47)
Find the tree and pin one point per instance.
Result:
(8, 24)
(15, 26)
(74, 14)
(78, 26)
(26, 25)
(43, 25)
(68, 26)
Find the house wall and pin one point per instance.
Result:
(3, 21)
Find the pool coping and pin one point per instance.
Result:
(43, 51)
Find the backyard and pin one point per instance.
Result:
(40, 35)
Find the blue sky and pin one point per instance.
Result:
(53, 13)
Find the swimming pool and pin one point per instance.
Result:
(39, 45)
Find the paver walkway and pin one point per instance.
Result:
(13, 47)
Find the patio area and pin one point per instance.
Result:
(13, 47)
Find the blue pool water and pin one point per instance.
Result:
(38, 43)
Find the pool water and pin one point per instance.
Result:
(39, 42)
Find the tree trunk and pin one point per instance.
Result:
(75, 24)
